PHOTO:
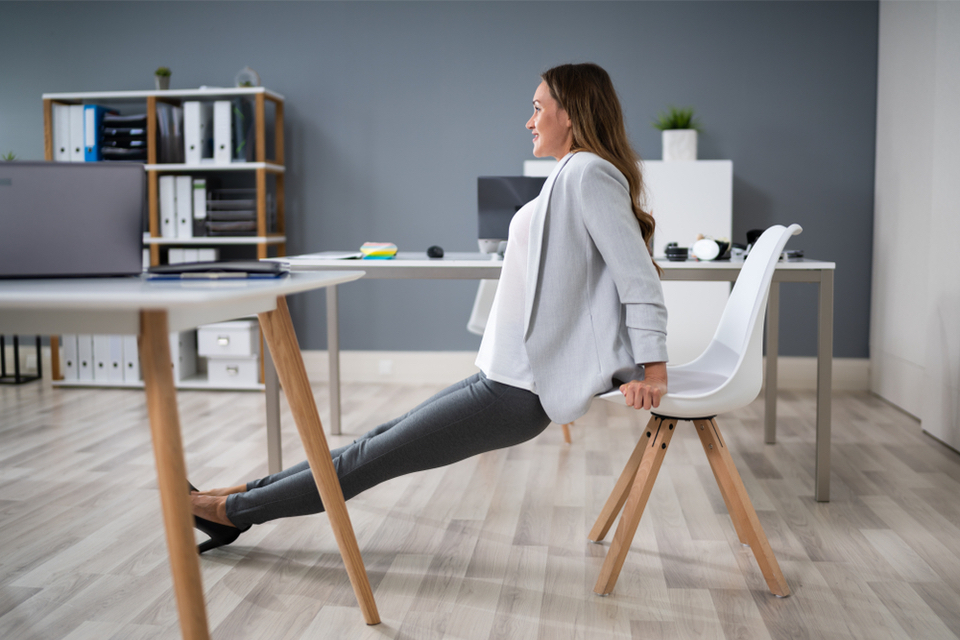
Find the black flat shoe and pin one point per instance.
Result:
(220, 534)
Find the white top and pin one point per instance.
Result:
(502, 356)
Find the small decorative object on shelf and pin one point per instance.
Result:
(247, 77)
(162, 76)
(9, 156)
(679, 129)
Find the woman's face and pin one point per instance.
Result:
(551, 126)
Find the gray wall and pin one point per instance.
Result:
(393, 110)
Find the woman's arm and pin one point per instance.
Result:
(646, 393)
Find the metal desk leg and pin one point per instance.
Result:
(333, 351)
(272, 387)
(770, 382)
(824, 385)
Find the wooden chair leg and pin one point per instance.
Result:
(566, 432)
(620, 490)
(280, 337)
(154, 342)
(636, 501)
(741, 509)
(742, 534)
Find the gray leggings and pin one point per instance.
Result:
(468, 418)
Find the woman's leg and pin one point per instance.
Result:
(471, 417)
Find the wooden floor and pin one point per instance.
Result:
(493, 547)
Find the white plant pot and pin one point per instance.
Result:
(679, 144)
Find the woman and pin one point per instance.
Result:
(578, 309)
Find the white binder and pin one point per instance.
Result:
(168, 207)
(131, 360)
(199, 205)
(222, 132)
(61, 132)
(101, 358)
(85, 357)
(197, 130)
(76, 133)
(116, 359)
(208, 254)
(70, 364)
(184, 206)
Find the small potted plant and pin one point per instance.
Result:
(679, 130)
(162, 76)
(9, 156)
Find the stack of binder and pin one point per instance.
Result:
(232, 212)
(124, 138)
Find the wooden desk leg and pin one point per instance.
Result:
(279, 334)
(171, 473)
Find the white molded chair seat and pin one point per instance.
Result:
(726, 376)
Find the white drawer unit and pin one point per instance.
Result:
(239, 338)
(231, 372)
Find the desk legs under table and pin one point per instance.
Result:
(278, 332)
(171, 473)
(824, 385)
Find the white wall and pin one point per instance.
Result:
(915, 310)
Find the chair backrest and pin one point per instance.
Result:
(739, 336)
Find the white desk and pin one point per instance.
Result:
(150, 310)
(472, 266)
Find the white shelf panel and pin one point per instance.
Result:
(233, 166)
(207, 241)
(209, 92)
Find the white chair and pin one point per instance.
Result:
(726, 376)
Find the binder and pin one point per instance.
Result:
(116, 359)
(243, 133)
(61, 132)
(222, 132)
(131, 360)
(76, 133)
(92, 123)
(101, 358)
(199, 206)
(168, 207)
(170, 127)
(184, 206)
(85, 357)
(70, 365)
(175, 255)
(208, 254)
(197, 131)
(191, 255)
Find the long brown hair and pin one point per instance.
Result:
(586, 93)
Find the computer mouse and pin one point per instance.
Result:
(435, 252)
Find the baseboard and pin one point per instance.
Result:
(849, 374)
(442, 367)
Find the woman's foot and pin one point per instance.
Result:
(210, 517)
(223, 492)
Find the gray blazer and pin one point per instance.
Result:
(594, 304)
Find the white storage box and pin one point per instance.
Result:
(239, 338)
(183, 354)
(233, 372)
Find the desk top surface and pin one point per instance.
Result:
(454, 263)
(140, 293)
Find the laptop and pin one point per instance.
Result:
(64, 219)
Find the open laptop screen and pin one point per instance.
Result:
(498, 198)
(62, 219)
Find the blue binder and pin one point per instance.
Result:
(92, 121)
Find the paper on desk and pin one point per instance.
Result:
(328, 255)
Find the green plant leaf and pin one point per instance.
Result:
(676, 118)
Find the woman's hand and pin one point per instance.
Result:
(646, 393)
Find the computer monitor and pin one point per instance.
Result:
(65, 219)
(498, 198)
